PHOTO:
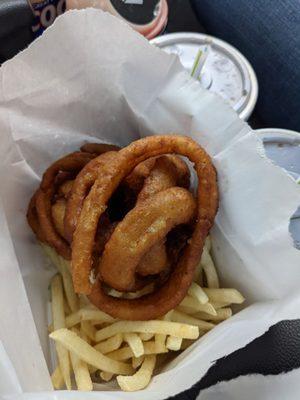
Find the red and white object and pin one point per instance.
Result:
(150, 30)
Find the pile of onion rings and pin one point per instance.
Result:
(128, 222)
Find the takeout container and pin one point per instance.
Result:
(283, 147)
(59, 93)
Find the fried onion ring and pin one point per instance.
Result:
(43, 200)
(174, 289)
(144, 226)
(81, 187)
(167, 171)
(98, 148)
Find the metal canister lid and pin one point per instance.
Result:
(226, 71)
(283, 148)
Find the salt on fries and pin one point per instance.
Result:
(96, 346)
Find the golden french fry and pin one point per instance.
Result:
(190, 302)
(125, 352)
(154, 326)
(222, 314)
(135, 343)
(141, 378)
(109, 345)
(191, 320)
(137, 361)
(71, 296)
(106, 376)
(67, 308)
(209, 269)
(51, 253)
(92, 369)
(207, 244)
(198, 276)
(198, 293)
(231, 296)
(81, 372)
(160, 341)
(87, 353)
(64, 269)
(57, 378)
(58, 316)
(173, 343)
(73, 319)
(88, 329)
(218, 306)
(146, 336)
(87, 314)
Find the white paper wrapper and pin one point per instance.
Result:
(92, 76)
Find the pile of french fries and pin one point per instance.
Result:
(93, 347)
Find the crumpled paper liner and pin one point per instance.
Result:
(90, 77)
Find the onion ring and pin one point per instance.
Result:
(174, 289)
(167, 171)
(144, 226)
(155, 261)
(43, 200)
(80, 189)
(98, 148)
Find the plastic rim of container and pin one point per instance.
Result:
(282, 146)
(186, 45)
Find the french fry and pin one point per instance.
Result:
(137, 361)
(146, 336)
(190, 302)
(109, 345)
(141, 378)
(222, 314)
(73, 319)
(72, 342)
(198, 293)
(67, 308)
(106, 376)
(135, 343)
(218, 306)
(160, 341)
(71, 296)
(58, 316)
(81, 373)
(87, 314)
(154, 326)
(173, 343)
(207, 243)
(64, 269)
(209, 269)
(57, 378)
(231, 296)
(125, 352)
(88, 329)
(191, 320)
(198, 276)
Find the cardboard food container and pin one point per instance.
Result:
(90, 77)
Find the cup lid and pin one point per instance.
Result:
(226, 71)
